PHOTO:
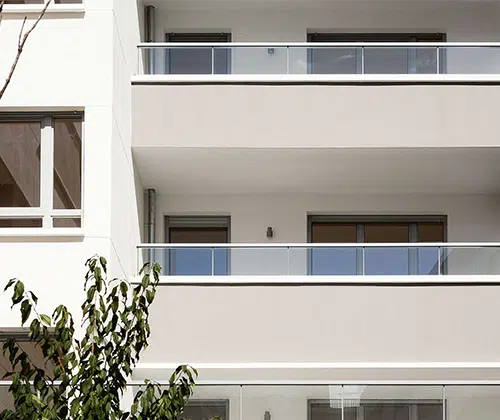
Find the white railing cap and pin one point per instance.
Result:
(318, 44)
(325, 245)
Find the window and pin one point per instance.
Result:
(197, 230)
(374, 60)
(206, 410)
(375, 261)
(378, 410)
(40, 170)
(192, 60)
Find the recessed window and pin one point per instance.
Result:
(198, 60)
(40, 169)
(390, 260)
(202, 261)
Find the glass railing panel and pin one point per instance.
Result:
(259, 60)
(428, 261)
(471, 60)
(334, 60)
(393, 402)
(386, 261)
(401, 60)
(334, 261)
(321, 402)
(259, 261)
(471, 260)
(472, 402)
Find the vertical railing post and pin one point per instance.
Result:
(439, 260)
(241, 402)
(444, 402)
(288, 261)
(363, 270)
(342, 403)
(287, 59)
(213, 261)
(438, 65)
(363, 60)
(213, 60)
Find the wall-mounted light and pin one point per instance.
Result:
(270, 51)
(267, 415)
(270, 232)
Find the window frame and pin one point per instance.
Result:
(46, 211)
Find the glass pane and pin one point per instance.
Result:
(423, 61)
(292, 402)
(471, 261)
(20, 164)
(20, 223)
(198, 60)
(259, 60)
(68, 2)
(471, 60)
(334, 261)
(197, 261)
(386, 60)
(259, 261)
(428, 260)
(334, 60)
(333, 232)
(430, 232)
(395, 402)
(472, 402)
(386, 261)
(198, 235)
(68, 164)
(67, 223)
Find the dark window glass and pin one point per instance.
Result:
(20, 164)
(67, 164)
(20, 223)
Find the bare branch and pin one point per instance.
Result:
(21, 43)
(2, 2)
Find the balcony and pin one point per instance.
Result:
(341, 62)
(334, 401)
(310, 263)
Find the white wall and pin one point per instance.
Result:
(470, 218)
(78, 61)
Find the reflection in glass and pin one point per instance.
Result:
(20, 164)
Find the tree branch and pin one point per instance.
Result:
(21, 43)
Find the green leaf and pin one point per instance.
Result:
(45, 319)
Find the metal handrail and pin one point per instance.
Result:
(316, 44)
(463, 245)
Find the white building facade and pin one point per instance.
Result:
(318, 178)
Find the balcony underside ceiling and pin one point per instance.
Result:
(322, 171)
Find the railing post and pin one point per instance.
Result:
(288, 261)
(439, 260)
(288, 60)
(438, 70)
(363, 60)
(363, 249)
(213, 60)
(213, 261)
(342, 402)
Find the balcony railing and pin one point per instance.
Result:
(319, 60)
(383, 259)
(374, 400)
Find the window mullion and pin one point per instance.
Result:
(47, 171)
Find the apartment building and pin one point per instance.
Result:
(318, 178)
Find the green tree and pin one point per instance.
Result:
(86, 378)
